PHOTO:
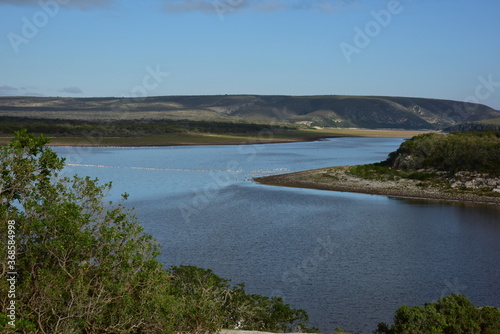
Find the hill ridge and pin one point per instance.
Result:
(311, 110)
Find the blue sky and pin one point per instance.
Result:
(446, 49)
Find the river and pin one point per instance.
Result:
(348, 259)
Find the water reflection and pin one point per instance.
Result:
(349, 259)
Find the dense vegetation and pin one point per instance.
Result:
(488, 124)
(84, 265)
(127, 128)
(453, 314)
(209, 303)
(475, 151)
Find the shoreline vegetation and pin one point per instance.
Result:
(264, 136)
(461, 166)
(340, 179)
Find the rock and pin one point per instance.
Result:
(470, 184)
(491, 183)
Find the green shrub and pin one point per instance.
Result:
(476, 151)
(81, 262)
(128, 128)
(453, 314)
(208, 302)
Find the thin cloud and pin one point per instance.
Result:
(8, 90)
(188, 6)
(80, 4)
(179, 6)
(71, 90)
(327, 5)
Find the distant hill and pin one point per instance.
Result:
(488, 124)
(323, 111)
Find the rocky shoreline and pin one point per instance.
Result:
(464, 187)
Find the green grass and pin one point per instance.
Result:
(493, 121)
(379, 171)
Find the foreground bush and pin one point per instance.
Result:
(209, 302)
(453, 314)
(84, 265)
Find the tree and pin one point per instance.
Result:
(83, 265)
(453, 314)
(209, 302)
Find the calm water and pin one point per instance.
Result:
(348, 259)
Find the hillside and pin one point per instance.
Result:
(488, 124)
(323, 111)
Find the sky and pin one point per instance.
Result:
(445, 49)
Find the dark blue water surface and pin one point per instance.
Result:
(348, 259)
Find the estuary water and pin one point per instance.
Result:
(348, 259)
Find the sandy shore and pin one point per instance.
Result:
(338, 179)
